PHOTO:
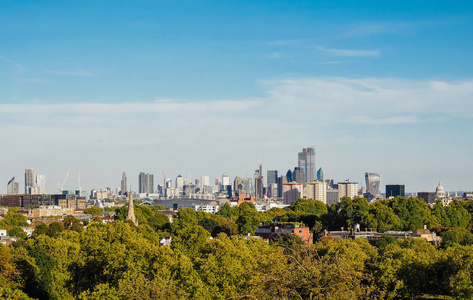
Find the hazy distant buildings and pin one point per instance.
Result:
(13, 187)
(259, 183)
(225, 179)
(306, 164)
(146, 183)
(394, 190)
(124, 184)
(332, 196)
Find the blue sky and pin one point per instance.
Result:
(207, 87)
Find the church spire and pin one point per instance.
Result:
(131, 210)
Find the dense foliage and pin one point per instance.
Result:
(211, 257)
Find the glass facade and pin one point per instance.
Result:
(372, 183)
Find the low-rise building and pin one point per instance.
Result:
(273, 230)
(51, 211)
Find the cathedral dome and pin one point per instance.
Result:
(440, 191)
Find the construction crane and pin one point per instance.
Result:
(60, 188)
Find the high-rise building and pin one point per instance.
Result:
(298, 175)
(281, 181)
(179, 183)
(289, 176)
(272, 177)
(306, 160)
(204, 180)
(372, 184)
(13, 187)
(259, 187)
(316, 191)
(320, 175)
(394, 190)
(124, 184)
(146, 183)
(347, 189)
(29, 180)
(40, 184)
(292, 192)
(225, 179)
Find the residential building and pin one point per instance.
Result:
(292, 192)
(316, 191)
(12, 187)
(274, 230)
(29, 180)
(347, 189)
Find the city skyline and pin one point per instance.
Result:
(210, 88)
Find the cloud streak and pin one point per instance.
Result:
(81, 73)
(349, 52)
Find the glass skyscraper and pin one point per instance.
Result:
(372, 183)
(306, 163)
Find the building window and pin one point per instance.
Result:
(300, 231)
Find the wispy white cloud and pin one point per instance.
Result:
(82, 73)
(275, 55)
(18, 66)
(334, 62)
(348, 52)
(293, 42)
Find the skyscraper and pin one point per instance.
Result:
(40, 184)
(272, 177)
(146, 183)
(306, 160)
(281, 181)
(372, 183)
(179, 183)
(29, 180)
(12, 187)
(289, 176)
(123, 185)
(320, 175)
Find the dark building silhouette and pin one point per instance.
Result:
(394, 190)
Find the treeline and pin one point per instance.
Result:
(212, 258)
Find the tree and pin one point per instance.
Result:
(54, 229)
(248, 219)
(18, 232)
(309, 207)
(40, 229)
(382, 218)
(15, 219)
(227, 211)
(72, 223)
(210, 225)
(458, 235)
(94, 211)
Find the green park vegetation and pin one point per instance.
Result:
(211, 257)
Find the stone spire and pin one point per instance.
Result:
(131, 210)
